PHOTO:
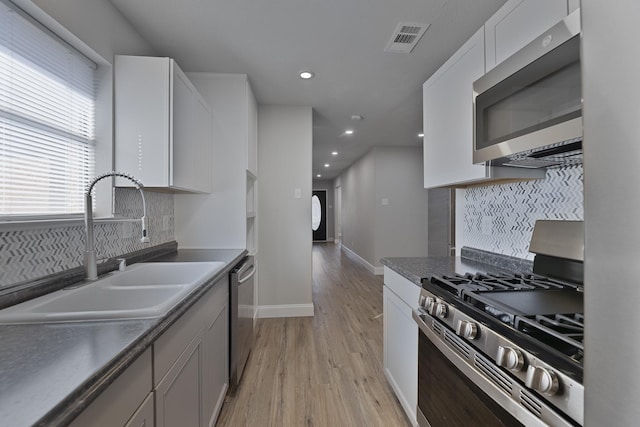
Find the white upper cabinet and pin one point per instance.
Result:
(163, 125)
(519, 22)
(227, 217)
(448, 117)
(448, 94)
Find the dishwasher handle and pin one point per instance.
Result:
(247, 275)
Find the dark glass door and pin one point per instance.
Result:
(447, 398)
(319, 215)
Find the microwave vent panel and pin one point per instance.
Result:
(406, 37)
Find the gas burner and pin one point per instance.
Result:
(532, 304)
(481, 282)
(563, 332)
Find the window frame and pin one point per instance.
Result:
(104, 131)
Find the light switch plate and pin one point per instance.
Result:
(297, 193)
(385, 201)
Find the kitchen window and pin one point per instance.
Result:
(47, 120)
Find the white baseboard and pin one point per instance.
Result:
(329, 240)
(285, 310)
(378, 271)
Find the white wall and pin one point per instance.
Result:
(358, 207)
(398, 228)
(611, 66)
(98, 24)
(284, 162)
(402, 225)
(218, 219)
(325, 184)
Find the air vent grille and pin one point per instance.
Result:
(498, 377)
(532, 404)
(436, 327)
(457, 344)
(405, 37)
(410, 29)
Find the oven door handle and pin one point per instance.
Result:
(421, 323)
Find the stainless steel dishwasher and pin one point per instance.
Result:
(241, 318)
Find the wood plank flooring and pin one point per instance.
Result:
(324, 370)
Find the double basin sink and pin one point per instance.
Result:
(142, 291)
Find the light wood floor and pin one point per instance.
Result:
(324, 370)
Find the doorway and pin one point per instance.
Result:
(319, 215)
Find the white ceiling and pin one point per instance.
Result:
(342, 41)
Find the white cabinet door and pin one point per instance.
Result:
(448, 114)
(190, 166)
(216, 366)
(142, 119)
(517, 23)
(144, 416)
(178, 396)
(401, 340)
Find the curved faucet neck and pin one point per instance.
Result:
(90, 262)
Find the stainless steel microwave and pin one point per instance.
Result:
(528, 109)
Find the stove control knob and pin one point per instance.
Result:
(468, 330)
(428, 304)
(421, 301)
(441, 310)
(543, 380)
(510, 358)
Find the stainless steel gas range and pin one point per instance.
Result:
(506, 350)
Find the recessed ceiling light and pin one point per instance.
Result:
(349, 131)
(326, 165)
(334, 153)
(306, 75)
(318, 176)
(421, 135)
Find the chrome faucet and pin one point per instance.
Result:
(90, 263)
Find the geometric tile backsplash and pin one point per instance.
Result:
(500, 218)
(28, 254)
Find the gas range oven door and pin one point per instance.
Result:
(460, 387)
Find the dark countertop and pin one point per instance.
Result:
(472, 261)
(49, 373)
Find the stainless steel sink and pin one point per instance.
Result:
(146, 290)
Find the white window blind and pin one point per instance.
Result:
(47, 117)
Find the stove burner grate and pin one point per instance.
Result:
(482, 282)
(564, 332)
(493, 294)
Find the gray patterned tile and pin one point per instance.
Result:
(501, 218)
(30, 254)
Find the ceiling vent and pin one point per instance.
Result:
(406, 37)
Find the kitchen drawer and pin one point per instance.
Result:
(116, 405)
(402, 287)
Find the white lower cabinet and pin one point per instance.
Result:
(125, 402)
(191, 373)
(182, 382)
(178, 401)
(401, 340)
(216, 373)
(144, 416)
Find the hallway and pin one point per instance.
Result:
(324, 370)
